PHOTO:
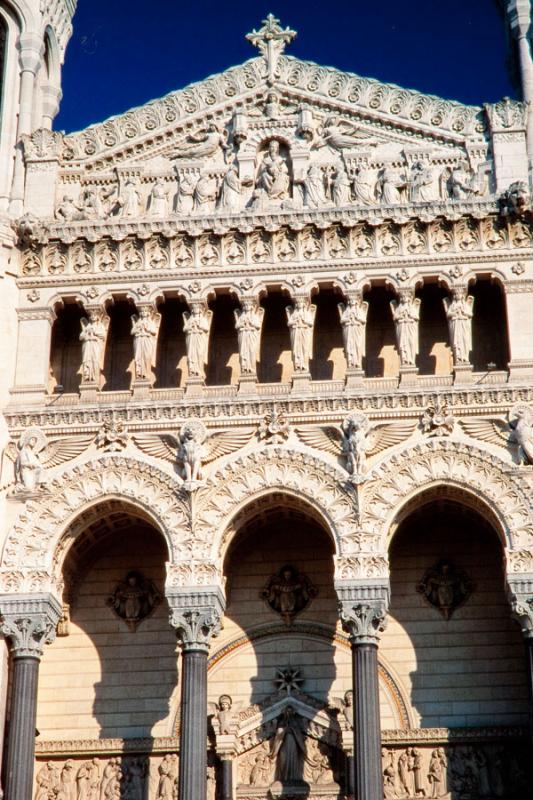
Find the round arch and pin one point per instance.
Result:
(38, 541)
(318, 487)
(485, 483)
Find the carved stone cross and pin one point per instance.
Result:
(270, 40)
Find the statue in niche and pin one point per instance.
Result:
(353, 316)
(185, 193)
(145, 326)
(314, 189)
(92, 337)
(445, 587)
(391, 182)
(301, 320)
(205, 194)
(422, 184)
(273, 180)
(364, 186)
(459, 313)
(196, 326)
(288, 593)
(406, 314)
(288, 748)
(129, 200)
(206, 143)
(158, 199)
(341, 190)
(341, 134)
(230, 197)
(134, 599)
(248, 323)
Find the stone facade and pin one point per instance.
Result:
(268, 388)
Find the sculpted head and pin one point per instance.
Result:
(225, 702)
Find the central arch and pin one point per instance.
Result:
(300, 477)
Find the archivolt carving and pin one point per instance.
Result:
(496, 486)
(234, 485)
(37, 542)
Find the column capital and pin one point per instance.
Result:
(363, 610)
(29, 622)
(197, 616)
(520, 595)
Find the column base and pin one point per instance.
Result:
(521, 370)
(463, 374)
(301, 381)
(89, 392)
(247, 385)
(354, 378)
(408, 376)
(194, 387)
(141, 389)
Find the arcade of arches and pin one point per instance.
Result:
(278, 694)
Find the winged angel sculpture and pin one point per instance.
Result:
(34, 454)
(355, 440)
(192, 448)
(517, 430)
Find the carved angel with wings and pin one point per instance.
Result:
(192, 448)
(341, 134)
(224, 714)
(517, 430)
(355, 439)
(33, 454)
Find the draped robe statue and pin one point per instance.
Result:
(92, 338)
(301, 319)
(406, 314)
(459, 312)
(248, 323)
(196, 325)
(353, 320)
(145, 326)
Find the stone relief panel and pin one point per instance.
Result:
(445, 587)
(288, 593)
(134, 599)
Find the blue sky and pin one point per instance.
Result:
(126, 52)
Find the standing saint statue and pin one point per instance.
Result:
(248, 323)
(230, 197)
(459, 312)
(129, 199)
(158, 199)
(288, 748)
(145, 326)
(92, 338)
(301, 320)
(353, 316)
(196, 325)
(406, 314)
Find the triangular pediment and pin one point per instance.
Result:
(387, 114)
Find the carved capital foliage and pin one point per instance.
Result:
(363, 622)
(37, 541)
(196, 616)
(493, 487)
(520, 595)
(29, 622)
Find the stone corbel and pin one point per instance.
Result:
(196, 615)
(29, 622)
(520, 596)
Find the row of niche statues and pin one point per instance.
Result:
(300, 317)
(459, 771)
(331, 184)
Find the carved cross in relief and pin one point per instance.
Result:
(270, 40)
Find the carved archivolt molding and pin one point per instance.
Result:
(38, 541)
(498, 491)
(322, 487)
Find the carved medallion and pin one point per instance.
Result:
(288, 593)
(134, 599)
(445, 587)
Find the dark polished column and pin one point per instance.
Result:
(520, 595)
(227, 779)
(28, 624)
(350, 777)
(364, 621)
(529, 659)
(195, 625)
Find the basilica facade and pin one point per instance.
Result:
(266, 493)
